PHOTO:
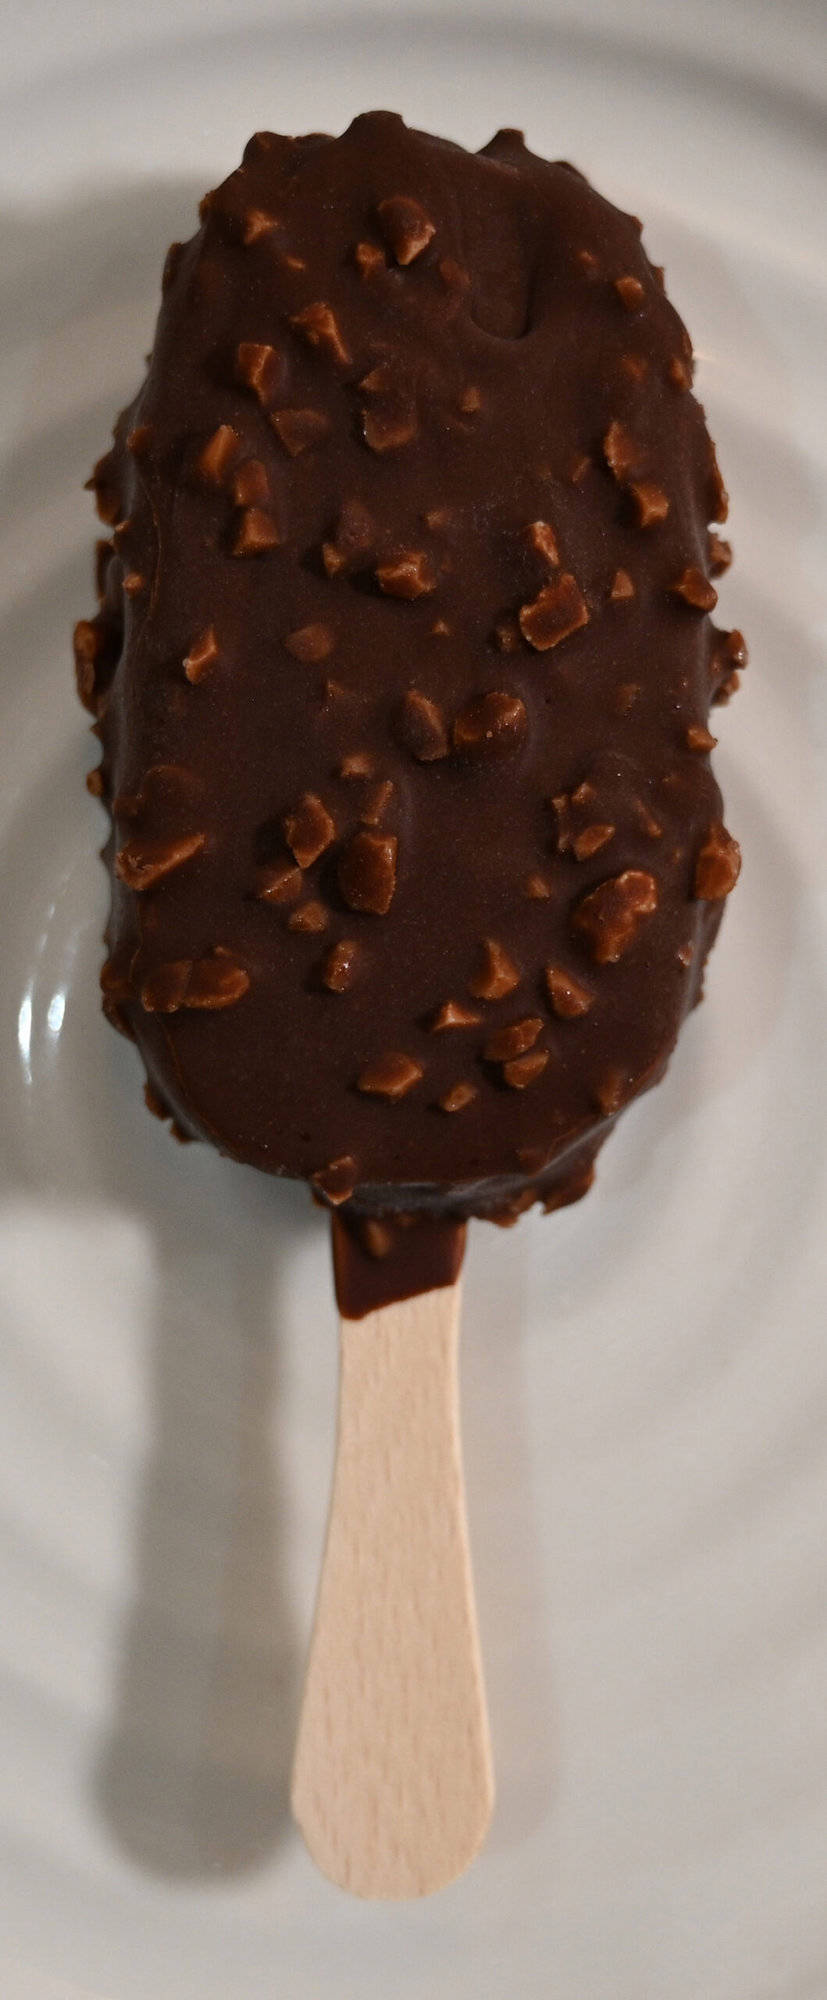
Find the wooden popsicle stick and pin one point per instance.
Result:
(392, 1782)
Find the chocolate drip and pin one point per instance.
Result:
(377, 1263)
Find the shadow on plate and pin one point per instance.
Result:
(192, 1776)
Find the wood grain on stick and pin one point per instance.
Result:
(392, 1781)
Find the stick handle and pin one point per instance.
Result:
(392, 1781)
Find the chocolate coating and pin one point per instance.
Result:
(402, 672)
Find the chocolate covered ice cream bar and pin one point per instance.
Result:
(402, 674)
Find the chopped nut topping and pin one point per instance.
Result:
(646, 820)
(311, 916)
(255, 224)
(588, 263)
(590, 841)
(368, 259)
(513, 1040)
(635, 366)
(622, 587)
(300, 430)
(497, 974)
(491, 726)
(357, 765)
(695, 589)
(459, 1095)
(720, 554)
(470, 401)
(202, 655)
(411, 575)
(281, 883)
(612, 1091)
(686, 954)
(568, 998)
(650, 501)
(559, 610)
(536, 888)
(731, 651)
(318, 325)
(336, 1181)
(333, 561)
(309, 829)
(621, 453)
(367, 872)
(718, 498)
(699, 738)
(257, 532)
(376, 802)
(218, 455)
(139, 440)
(630, 292)
(718, 865)
(89, 643)
(310, 643)
(290, 262)
(390, 426)
(104, 486)
(524, 1070)
(454, 1014)
(339, 968)
(259, 367)
(134, 583)
(376, 1238)
(94, 782)
(250, 486)
(728, 656)
(679, 373)
(541, 537)
(207, 983)
(577, 467)
(422, 727)
(391, 1076)
(379, 381)
(405, 227)
(142, 863)
(610, 917)
(581, 841)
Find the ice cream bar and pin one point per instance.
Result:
(402, 674)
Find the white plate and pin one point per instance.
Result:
(645, 1377)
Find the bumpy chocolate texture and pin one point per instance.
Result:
(402, 673)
